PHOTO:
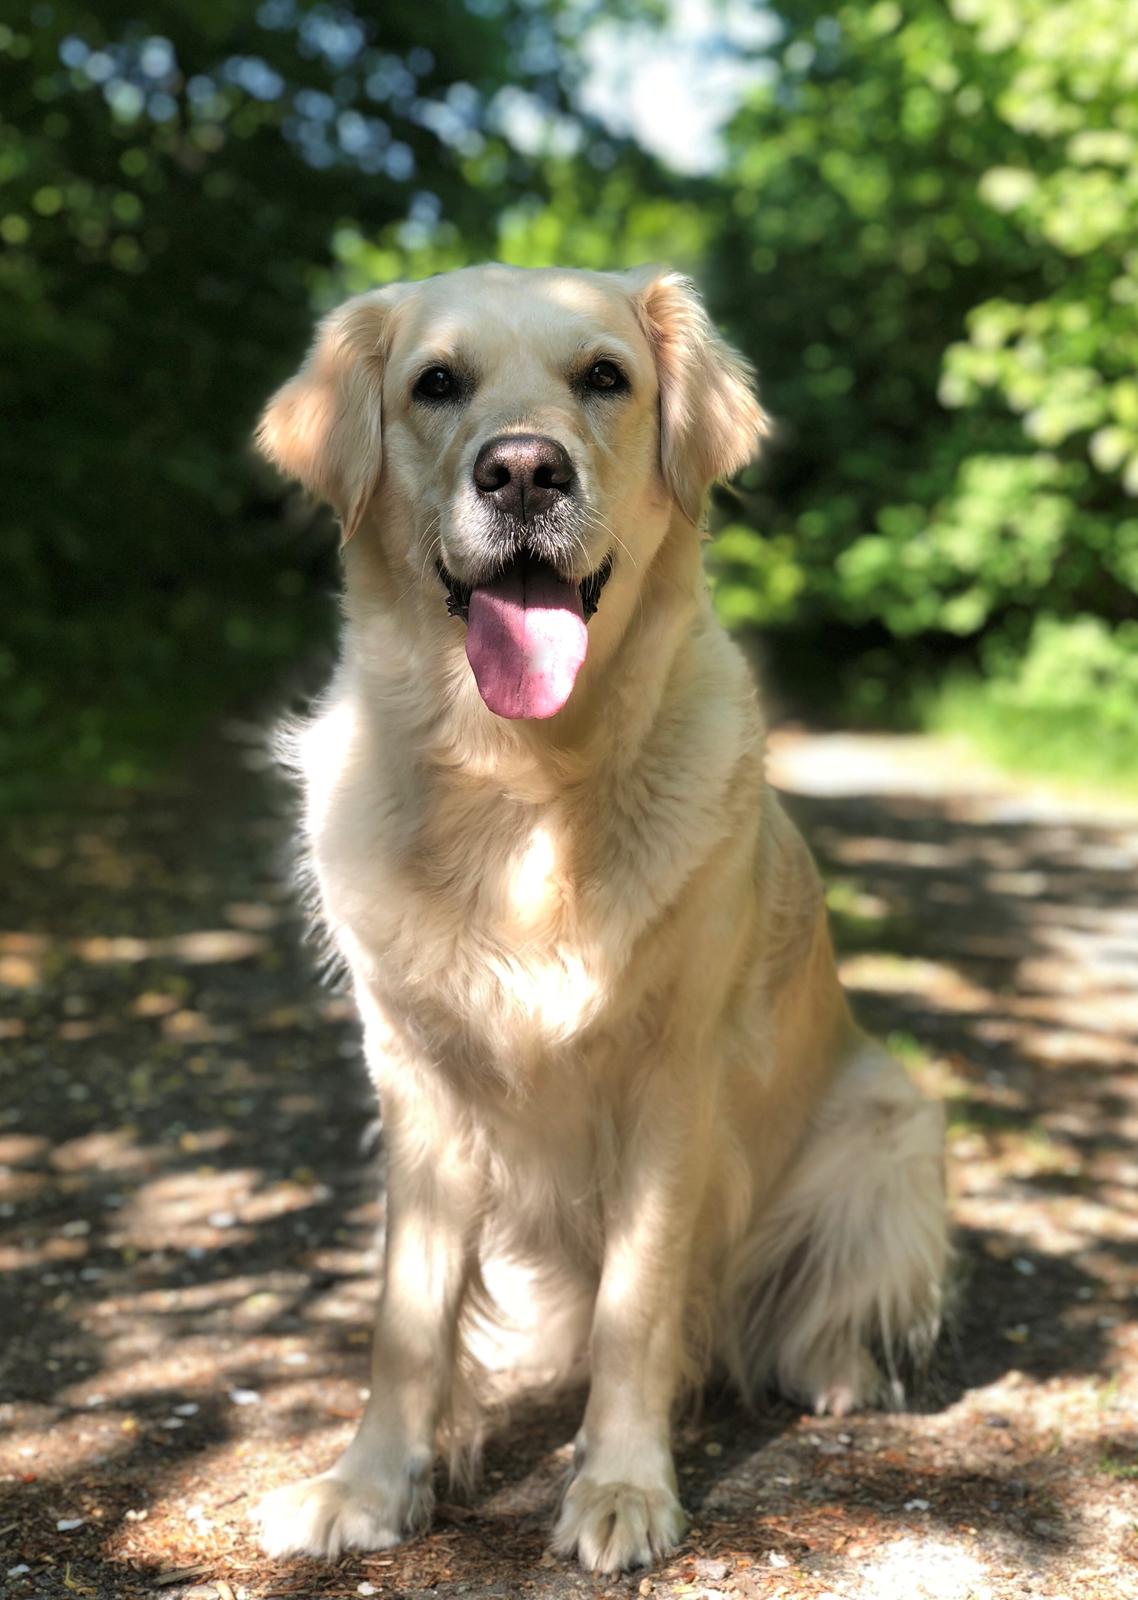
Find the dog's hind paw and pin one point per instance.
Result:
(840, 1383)
(327, 1515)
(615, 1526)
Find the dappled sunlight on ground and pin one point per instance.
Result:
(190, 1202)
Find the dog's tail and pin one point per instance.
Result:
(836, 1291)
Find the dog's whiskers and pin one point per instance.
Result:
(432, 533)
(595, 520)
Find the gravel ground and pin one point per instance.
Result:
(189, 1203)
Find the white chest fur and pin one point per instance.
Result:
(466, 908)
(500, 921)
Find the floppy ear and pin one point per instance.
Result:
(324, 425)
(711, 422)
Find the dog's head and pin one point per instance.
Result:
(511, 441)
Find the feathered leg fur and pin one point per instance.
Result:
(836, 1289)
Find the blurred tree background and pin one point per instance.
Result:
(921, 223)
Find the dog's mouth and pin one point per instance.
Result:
(526, 636)
(458, 593)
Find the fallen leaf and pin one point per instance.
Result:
(180, 1575)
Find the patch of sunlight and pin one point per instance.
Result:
(54, 1252)
(861, 764)
(848, 899)
(905, 852)
(255, 916)
(108, 1150)
(19, 1149)
(191, 1206)
(20, 1185)
(917, 1568)
(534, 891)
(205, 947)
(934, 980)
(68, 1445)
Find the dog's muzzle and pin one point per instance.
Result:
(525, 615)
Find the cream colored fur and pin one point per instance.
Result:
(590, 954)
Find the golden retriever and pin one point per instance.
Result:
(588, 948)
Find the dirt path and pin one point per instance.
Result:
(188, 1208)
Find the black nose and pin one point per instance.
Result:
(523, 473)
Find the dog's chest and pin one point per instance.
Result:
(479, 912)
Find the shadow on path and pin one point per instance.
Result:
(189, 1200)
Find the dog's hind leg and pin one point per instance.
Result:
(837, 1288)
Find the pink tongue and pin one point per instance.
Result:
(526, 640)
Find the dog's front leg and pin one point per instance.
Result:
(380, 1489)
(621, 1510)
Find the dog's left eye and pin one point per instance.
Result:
(437, 383)
(605, 377)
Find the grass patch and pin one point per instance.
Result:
(967, 1114)
(861, 922)
(1114, 1468)
(910, 1052)
(1075, 746)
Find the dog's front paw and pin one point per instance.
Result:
(326, 1515)
(615, 1526)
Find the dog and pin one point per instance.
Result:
(589, 949)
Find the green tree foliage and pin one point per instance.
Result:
(925, 233)
(930, 245)
(176, 182)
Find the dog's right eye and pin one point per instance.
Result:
(437, 383)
